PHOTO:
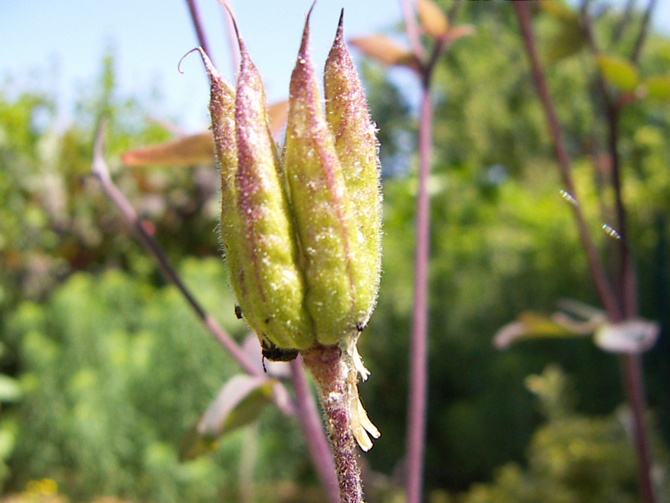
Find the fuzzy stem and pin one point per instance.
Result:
(316, 441)
(331, 376)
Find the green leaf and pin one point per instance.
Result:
(619, 72)
(567, 41)
(657, 87)
(240, 402)
(10, 390)
(530, 325)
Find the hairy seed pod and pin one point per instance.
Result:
(322, 209)
(259, 241)
(357, 149)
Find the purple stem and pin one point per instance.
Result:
(197, 24)
(100, 170)
(313, 428)
(412, 28)
(304, 401)
(331, 378)
(418, 389)
(626, 305)
(595, 265)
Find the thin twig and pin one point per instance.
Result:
(412, 28)
(644, 29)
(197, 24)
(101, 171)
(626, 306)
(304, 400)
(418, 373)
(595, 265)
(623, 22)
(418, 390)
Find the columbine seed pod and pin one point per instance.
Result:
(357, 148)
(258, 238)
(322, 208)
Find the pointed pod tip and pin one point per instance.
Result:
(303, 53)
(339, 34)
(309, 13)
(243, 49)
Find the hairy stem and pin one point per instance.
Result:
(332, 376)
(311, 425)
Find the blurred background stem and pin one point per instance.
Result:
(304, 400)
(620, 304)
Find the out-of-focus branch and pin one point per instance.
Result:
(197, 24)
(597, 271)
(623, 22)
(304, 400)
(626, 304)
(644, 29)
(415, 446)
(412, 28)
(101, 171)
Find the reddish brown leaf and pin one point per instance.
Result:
(182, 151)
(277, 113)
(385, 50)
(460, 31)
(432, 18)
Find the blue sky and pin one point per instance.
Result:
(60, 44)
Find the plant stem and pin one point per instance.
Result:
(197, 24)
(101, 171)
(595, 265)
(644, 29)
(418, 373)
(313, 428)
(304, 401)
(633, 381)
(416, 414)
(624, 305)
(332, 376)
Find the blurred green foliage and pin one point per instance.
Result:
(116, 373)
(571, 457)
(115, 370)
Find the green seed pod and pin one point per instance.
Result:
(259, 241)
(357, 148)
(322, 209)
